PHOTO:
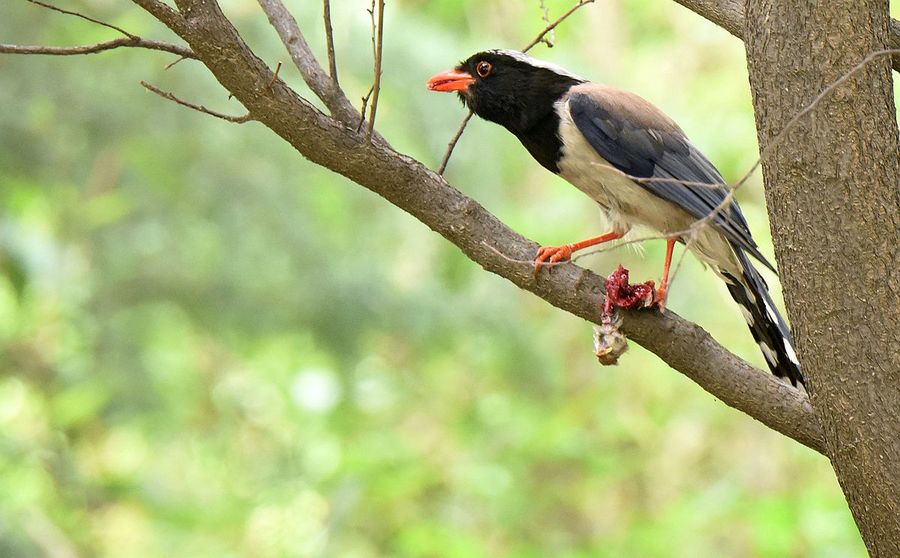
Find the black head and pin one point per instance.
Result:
(507, 87)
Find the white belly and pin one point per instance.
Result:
(628, 204)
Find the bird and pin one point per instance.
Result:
(637, 164)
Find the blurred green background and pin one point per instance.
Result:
(211, 347)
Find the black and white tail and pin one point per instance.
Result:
(766, 324)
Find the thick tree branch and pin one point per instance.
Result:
(729, 15)
(134, 42)
(315, 77)
(165, 14)
(425, 195)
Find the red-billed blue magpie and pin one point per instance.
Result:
(636, 163)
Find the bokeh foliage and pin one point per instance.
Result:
(211, 347)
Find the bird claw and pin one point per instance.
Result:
(552, 255)
(659, 299)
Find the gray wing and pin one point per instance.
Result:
(639, 140)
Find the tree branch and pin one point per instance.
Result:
(315, 77)
(134, 42)
(729, 15)
(419, 191)
(453, 141)
(82, 16)
(329, 41)
(165, 14)
(550, 27)
(129, 40)
(199, 108)
(378, 45)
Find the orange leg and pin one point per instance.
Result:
(556, 254)
(663, 287)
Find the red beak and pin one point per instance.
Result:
(451, 80)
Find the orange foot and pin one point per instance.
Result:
(660, 298)
(552, 255)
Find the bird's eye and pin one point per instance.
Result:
(484, 69)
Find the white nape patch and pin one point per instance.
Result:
(524, 58)
(767, 352)
(748, 317)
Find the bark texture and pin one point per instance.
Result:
(833, 193)
(729, 15)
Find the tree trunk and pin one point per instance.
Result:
(834, 204)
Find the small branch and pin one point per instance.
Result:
(379, 48)
(82, 16)
(176, 61)
(362, 110)
(315, 77)
(274, 76)
(199, 108)
(545, 15)
(452, 144)
(129, 40)
(132, 42)
(329, 42)
(465, 121)
(556, 23)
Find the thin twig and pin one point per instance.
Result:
(376, 87)
(176, 61)
(556, 23)
(452, 143)
(199, 108)
(545, 15)
(362, 110)
(134, 42)
(274, 76)
(82, 16)
(329, 42)
(465, 121)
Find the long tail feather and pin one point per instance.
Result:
(767, 326)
